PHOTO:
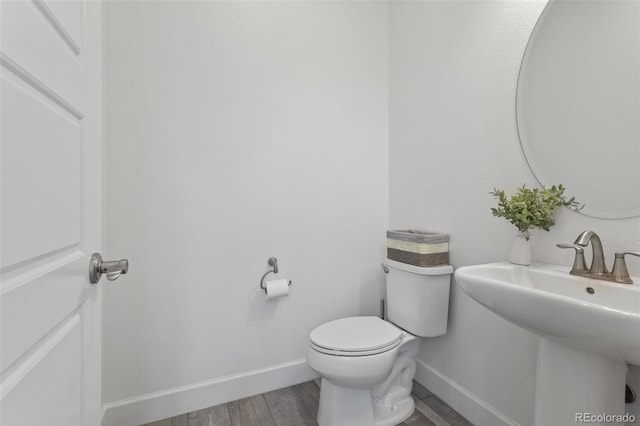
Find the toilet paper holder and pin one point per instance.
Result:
(273, 262)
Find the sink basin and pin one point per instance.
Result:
(591, 315)
(590, 330)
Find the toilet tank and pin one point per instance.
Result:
(418, 297)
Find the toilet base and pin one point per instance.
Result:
(390, 416)
(341, 406)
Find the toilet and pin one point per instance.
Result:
(367, 364)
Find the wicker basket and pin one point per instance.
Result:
(418, 248)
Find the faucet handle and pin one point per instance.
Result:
(579, 265)
(620, 272)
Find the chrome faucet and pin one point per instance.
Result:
(598, 269)
(598, 266)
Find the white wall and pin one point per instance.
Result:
(242, 130)
(453, 137)
(237, 131)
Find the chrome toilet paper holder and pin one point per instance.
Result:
(273, 262)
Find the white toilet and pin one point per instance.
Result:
(368, 364)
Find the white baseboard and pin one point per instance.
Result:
(460, 399)
(171, 402)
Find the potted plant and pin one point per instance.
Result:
(529, 209)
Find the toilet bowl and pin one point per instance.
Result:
(367, 364)
(367, 367)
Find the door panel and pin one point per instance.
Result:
(66, 18)
(48, 379)
(29, 40)
(34, 303)
(50, 211)
(40, 167)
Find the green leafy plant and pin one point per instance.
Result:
(532, 208)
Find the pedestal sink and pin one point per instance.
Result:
(590, 330)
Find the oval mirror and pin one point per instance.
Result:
(578, 103)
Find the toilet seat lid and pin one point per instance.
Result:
(356, 334)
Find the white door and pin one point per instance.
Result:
(50, 207)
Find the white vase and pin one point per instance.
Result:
(520, 251)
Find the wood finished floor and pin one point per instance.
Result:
(298, 406)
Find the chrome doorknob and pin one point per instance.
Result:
(113, 269)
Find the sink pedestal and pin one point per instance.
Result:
(589, 332)
(571, 382)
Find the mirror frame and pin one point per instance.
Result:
(528, 155)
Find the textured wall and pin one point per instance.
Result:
(237, 131)
(453, 137)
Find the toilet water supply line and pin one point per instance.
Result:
(383, 314)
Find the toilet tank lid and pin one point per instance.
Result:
(421, 270)
(356, 334)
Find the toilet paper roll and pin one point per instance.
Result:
(276, 288)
